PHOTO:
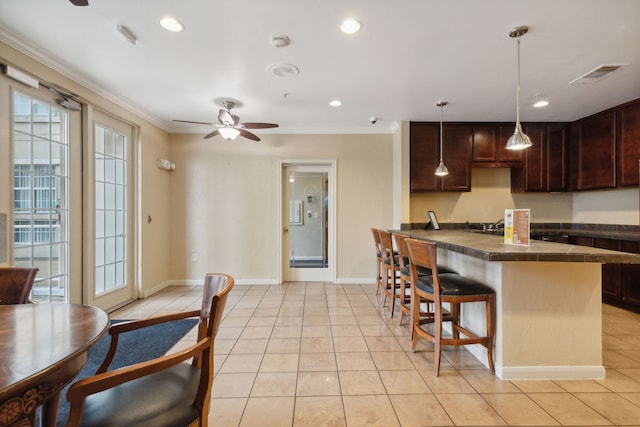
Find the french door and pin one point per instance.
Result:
(109, 213)
(47, 201)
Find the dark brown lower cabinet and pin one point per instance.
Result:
(630, 276)
(620, 282)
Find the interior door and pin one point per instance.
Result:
(109, 213)
(307, 223)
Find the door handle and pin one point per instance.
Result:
(285, 230)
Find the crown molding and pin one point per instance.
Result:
(33, 52)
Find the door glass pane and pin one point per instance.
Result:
(308, 204)
(40, 188)
(110, 209)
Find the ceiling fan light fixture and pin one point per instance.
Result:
(171, 24)
(229, 133)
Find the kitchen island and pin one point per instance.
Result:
(548, 301)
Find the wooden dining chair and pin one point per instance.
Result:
(16, 284)
(440, 289)
(159, 392)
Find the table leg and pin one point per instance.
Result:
(50, 411)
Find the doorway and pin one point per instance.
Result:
(307, 221)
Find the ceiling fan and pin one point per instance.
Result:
(80, 2)
(230, 126)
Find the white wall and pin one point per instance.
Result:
(224, 207)
(607, 207)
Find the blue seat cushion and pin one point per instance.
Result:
(454, 285)
(161, 399)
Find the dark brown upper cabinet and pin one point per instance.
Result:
(593, 152)
(425, 156)
(489, 140)
(628, 143)
(545, 164)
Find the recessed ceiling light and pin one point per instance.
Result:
(350, 26)
(171, 24)
(540, 102)
(335, 103)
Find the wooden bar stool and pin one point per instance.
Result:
(446, 288)
(390, 270)
(405, 278)
(376, 240)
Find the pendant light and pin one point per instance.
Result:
(518, 140)
(441, 170)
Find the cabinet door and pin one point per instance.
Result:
(557, 158)
(489, 141)
(535, 165)
(593, 152)
(425, 156)
(456, 147)
(628, 142)
(630, 276)
(610, 272)
(485, 143)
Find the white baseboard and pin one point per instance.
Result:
(550, 372)
(366, 281)
(156, 288)
(199, 282)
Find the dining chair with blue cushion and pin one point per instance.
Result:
(161, 392)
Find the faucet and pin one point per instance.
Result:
(496, 225)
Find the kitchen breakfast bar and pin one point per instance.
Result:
(548, 301)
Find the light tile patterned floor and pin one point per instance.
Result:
(315, 354)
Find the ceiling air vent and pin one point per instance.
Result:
(597, 73)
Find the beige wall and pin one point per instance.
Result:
(490, 195)
(224, 202)
(153, 183)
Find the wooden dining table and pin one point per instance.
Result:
(42, 348)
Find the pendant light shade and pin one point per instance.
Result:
(441, 170)
(518, 140)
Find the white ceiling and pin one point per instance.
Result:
(409, 55)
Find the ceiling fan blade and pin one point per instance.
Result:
(80, 2)
(196, 123)
(259, 125)
(212, 134)
(249, 135)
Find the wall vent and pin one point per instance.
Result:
(597, 73)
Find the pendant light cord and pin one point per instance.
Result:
(518, 85)
(441, 120)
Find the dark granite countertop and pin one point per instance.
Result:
(492, 248)
(602, 231)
